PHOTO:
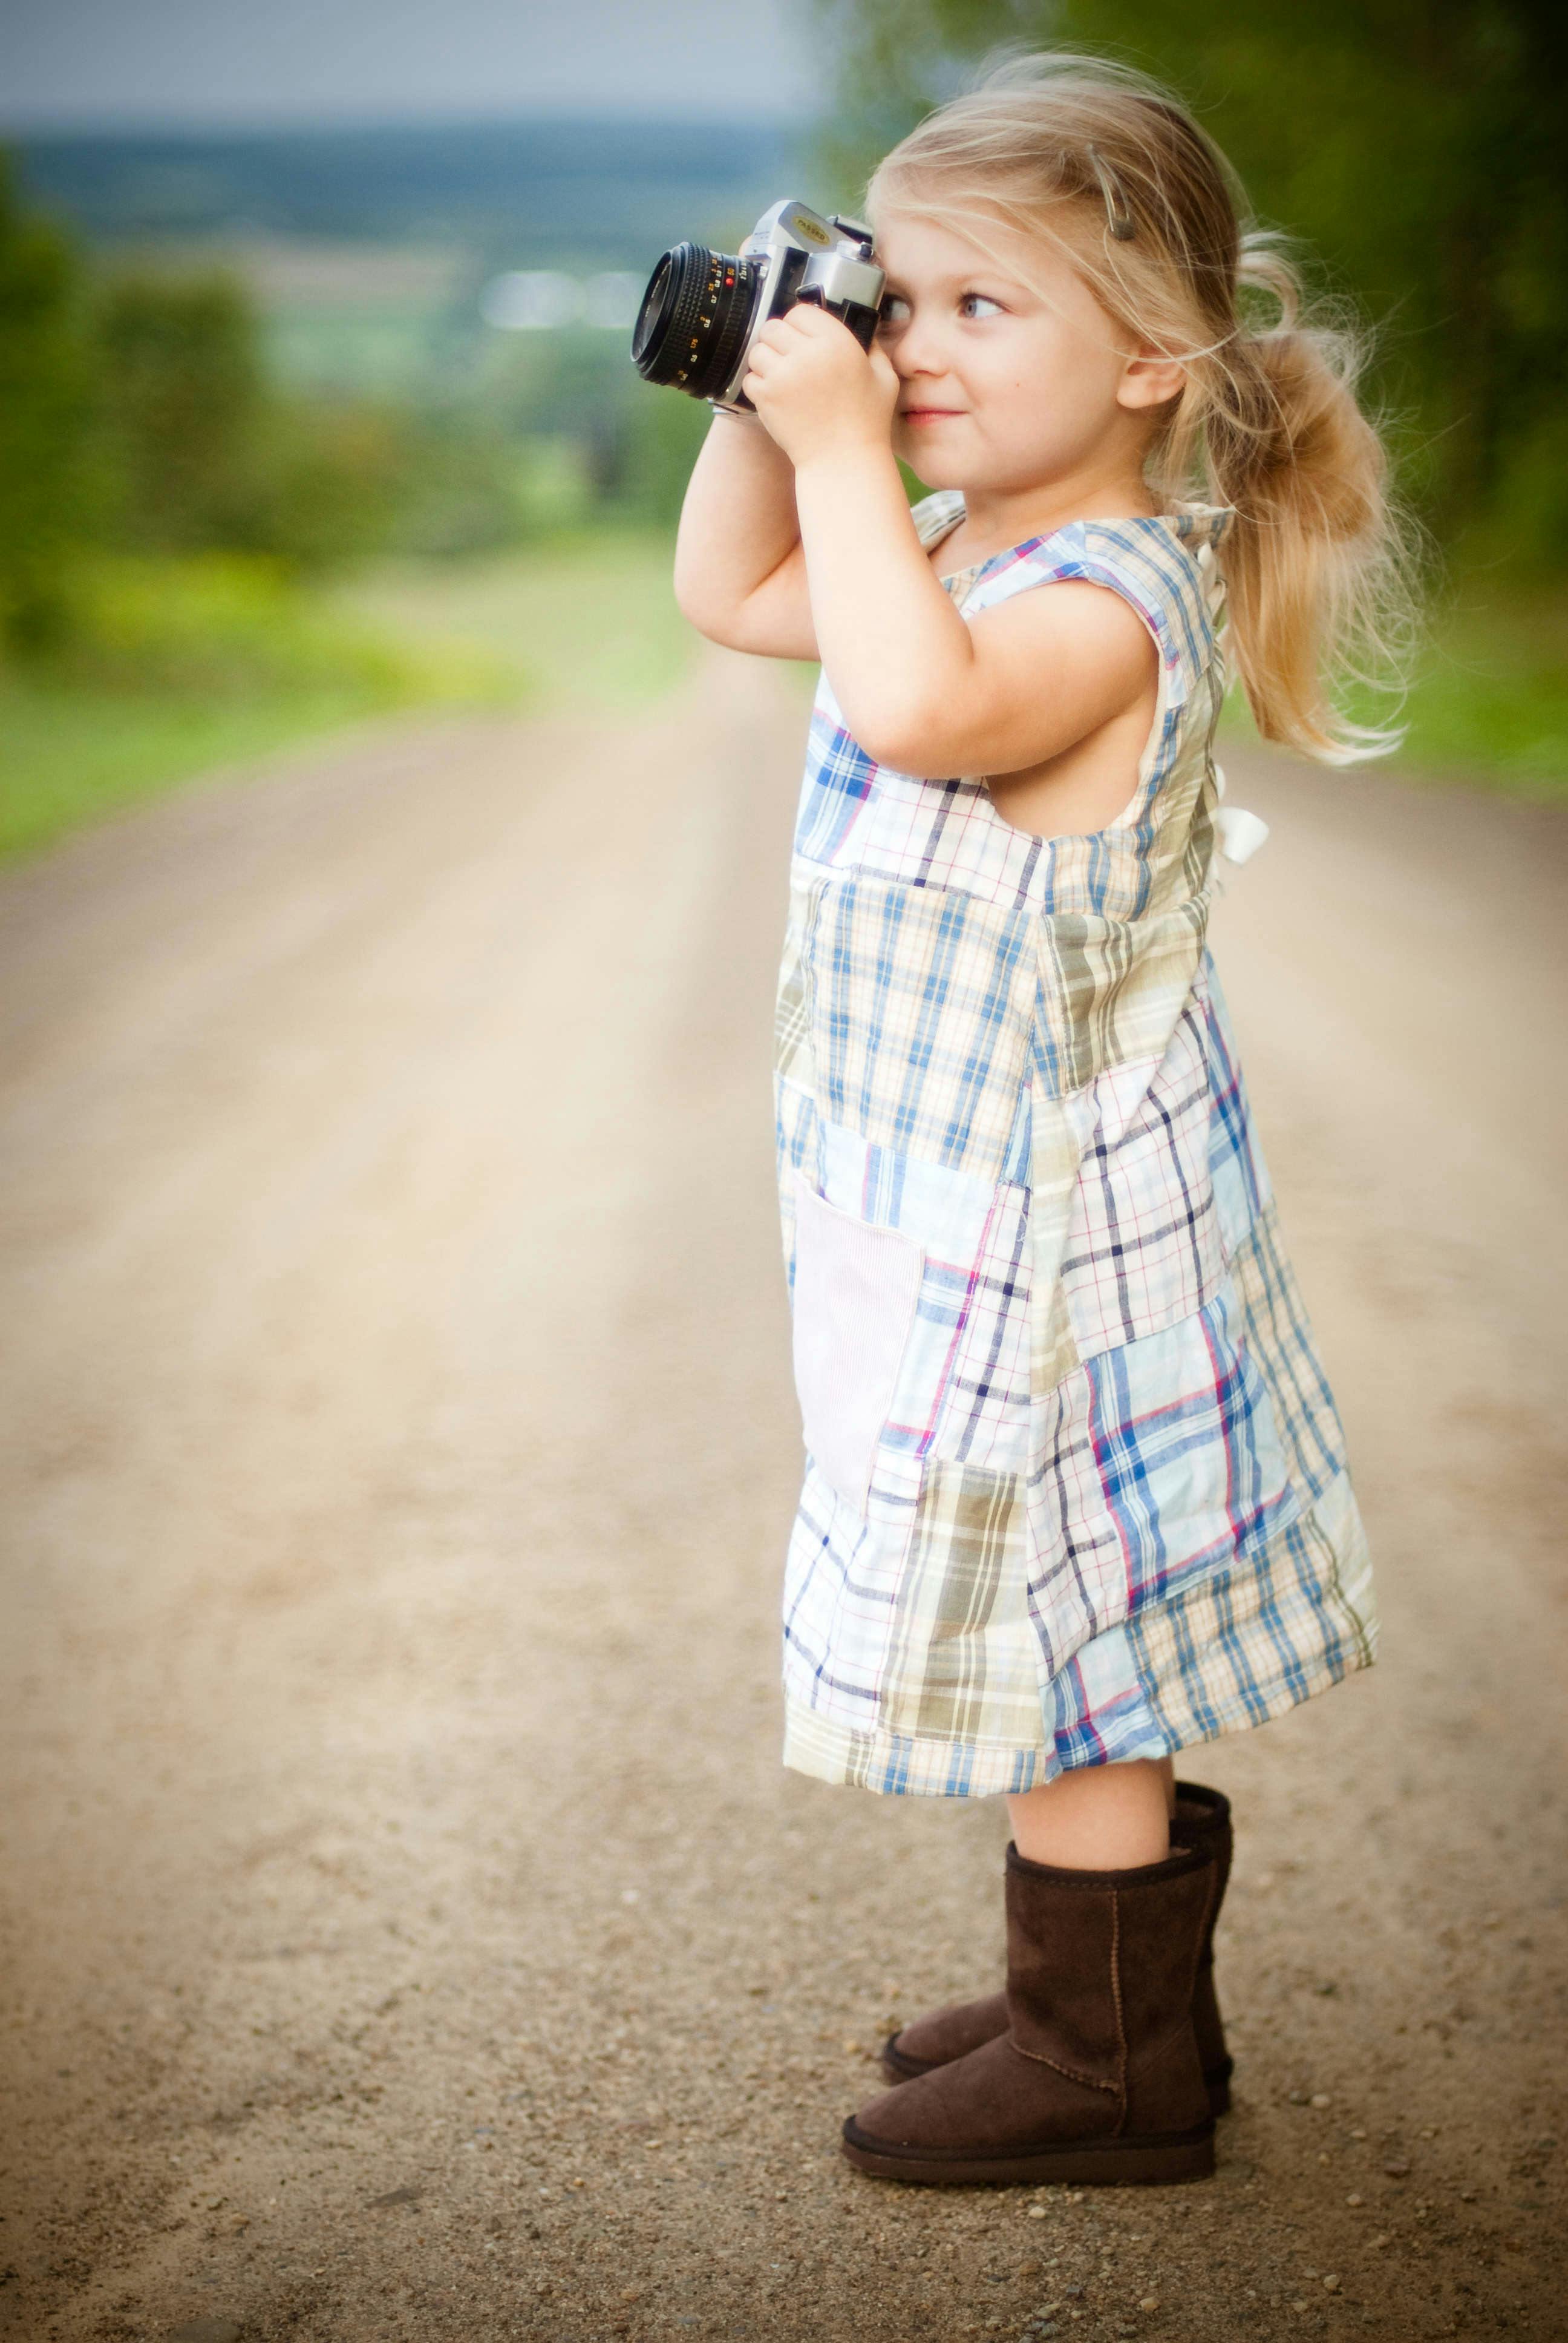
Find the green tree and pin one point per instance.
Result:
(208, 456)
(1418, 147)
(185, 409)
(50, 489)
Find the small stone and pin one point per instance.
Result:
(1397, 2168)
(1298, 2306)
(1149, 2302)
(1356, 2197)
(1298, 2098)
(1376, 2245)
(1321, 2099)
(1358, 2135)
(1331, 2285)
(1037, 2213)
(408, 2195)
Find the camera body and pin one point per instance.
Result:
(703, 310)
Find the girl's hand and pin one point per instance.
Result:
(816, 389)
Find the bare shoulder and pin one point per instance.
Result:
(1078, 613)
(1072, 627)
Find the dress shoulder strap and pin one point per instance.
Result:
(936, 516)
(1164, 565)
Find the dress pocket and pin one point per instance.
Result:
(857, 1290)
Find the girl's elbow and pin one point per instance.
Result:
(702, 611)
(908, 740)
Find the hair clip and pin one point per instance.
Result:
(1117, 218)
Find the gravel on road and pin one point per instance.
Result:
(410, 1933)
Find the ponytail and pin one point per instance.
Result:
(1310, 561)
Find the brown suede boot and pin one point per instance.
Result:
(1097, 2079)
(1202, 1820)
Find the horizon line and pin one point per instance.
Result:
(190, 127)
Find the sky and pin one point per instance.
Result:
(220, 64)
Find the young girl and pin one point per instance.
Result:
(1076, 1494)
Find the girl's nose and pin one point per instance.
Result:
(918, 349)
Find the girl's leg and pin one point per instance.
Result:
(1098, 1818)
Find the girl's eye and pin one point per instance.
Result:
(894, 311)
(980, 305)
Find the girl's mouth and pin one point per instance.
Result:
(929, 414)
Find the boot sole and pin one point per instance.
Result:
(900, 2068)
(1101, 2164)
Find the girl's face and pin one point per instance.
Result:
(1012, 376)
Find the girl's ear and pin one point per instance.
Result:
(1150, 379)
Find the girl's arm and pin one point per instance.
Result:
(739, 572)
(920, 687)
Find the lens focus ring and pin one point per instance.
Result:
(694, 319)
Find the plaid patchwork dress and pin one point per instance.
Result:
(1075, 1487)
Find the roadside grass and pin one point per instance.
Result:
(177, 667)
(182, 667)
(1488, 704)
(587, 621)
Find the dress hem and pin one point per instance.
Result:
(907, 1764)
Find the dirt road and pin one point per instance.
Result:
(411, 1932)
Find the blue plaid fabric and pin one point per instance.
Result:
(1075, 1488)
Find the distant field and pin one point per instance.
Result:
(529, 189)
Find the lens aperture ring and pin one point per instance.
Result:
(696, 340)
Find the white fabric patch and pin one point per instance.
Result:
(1240, 833)
(857, 1288)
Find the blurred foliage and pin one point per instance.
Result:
(139, 414)
(184, 410)
(1418, 148)
(46, 501)
(223, 625)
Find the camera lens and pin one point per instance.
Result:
(693, 322)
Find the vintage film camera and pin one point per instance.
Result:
(703, 309)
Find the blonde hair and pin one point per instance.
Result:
(1118, 175)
